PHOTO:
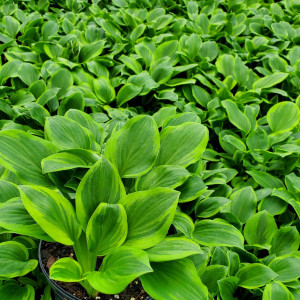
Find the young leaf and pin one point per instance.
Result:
(104, 90)
(90, 51)
(66, 269)
(277, 290)
(270, 80)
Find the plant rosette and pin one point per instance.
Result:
(125, 222)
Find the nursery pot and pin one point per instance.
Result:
(60, 293)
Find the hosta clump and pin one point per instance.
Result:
(126, 221)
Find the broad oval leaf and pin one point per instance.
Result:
(176, 279)
(13, 290)
(14, 260)
(53, 212)
(104, 90)
(283, 116)
(8, 191)
(107, 228)
(266, 180)
(66, 269)
(118, 269)
(255, 275)
(101, 183)
(127, 92)
(277, 291)
(182, 145)
(134, 148)
(270, 80)
(149, 214)
(217, 233)
(89, 51)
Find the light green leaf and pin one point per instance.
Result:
(53, 212)
(183, 224)
(283, 116)
(270, 80)
(28, 73)
(134, 148)
(277, 291)
(118, 269)
(255, 275)
(90, 51)
(101, 183)
(210, 206)
(162, 114)
(266, 180)
(66, 269)
(258, 140)
(104, 90)
(127, 92)
(107, 228)
(14, 260)
(62, 79)
(217, 233)
(182, 145)
(162, 176)
(172, 248)
(8, 191)
(13, 290)
(176, 279)
(150, 214)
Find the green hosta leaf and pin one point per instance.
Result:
(67, 134)
(90, 51)
(255, 275)
(8, 191)
(166, 49)
(61, 79)
(172, 248)
(162, 72)
(163, 114)
(66, 269)
(149, 214)
(176, 279)
(209, 49)
(227, 287)
(270, 80)
(277, 291)
(266, 180)
(13, 290)
(48, 29)
(283, 116)
(243, 203)
(54, 213)
(225, 65)
(211, 275)
(131, 63)
(162, 176)
(107, 228)
(217, 233)
(104, 90)
(28, 73)
(101, 183)
(236, 117)
(285, 241)
(12, 26)
(14, 260)
(183, 224)
(69, 159)
(15, 218)
(182, 145)
(293, 183)
(181, 119)
(287, 267)
(192, 188)
(258, 140)
(259, 228)
(127, 92)
(134, 148)
(210, 206)
(22, 153)
(118, 269)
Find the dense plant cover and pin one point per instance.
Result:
(162, 136)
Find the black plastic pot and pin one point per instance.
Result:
(60, 293)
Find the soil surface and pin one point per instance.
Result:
(51, 252)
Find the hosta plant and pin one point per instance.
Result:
(123, 209)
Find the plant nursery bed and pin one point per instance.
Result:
(51, 252)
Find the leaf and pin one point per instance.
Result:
(8, 191)
(176, 279)
(225, 65)
(49, 29)
(134, 148)
(104, 90)
(118, 269)
(66, 134)
(14, 260)
(259, 228)
(162, 176)
(217, 233)
(182, 145)
(181, 119)
(255, 275)
(285, 241)
(258, 140)
(22, 153)
(101, 184)
(28, 73)
(90, 51)
(266, 180)
(162, 73)
(173, 248)
(243, 203)
(162, 114)
(235, 116)
(12, 26)
(61, 79)
(227, 287)
(54, 213)
(149, 214)
(107, 228)
(287, 267)
(210, 206)
(270, 80)
(66, 269)
(183, 224)
(283, 116)
(127, 92)
(13, 290)
(277, 290)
